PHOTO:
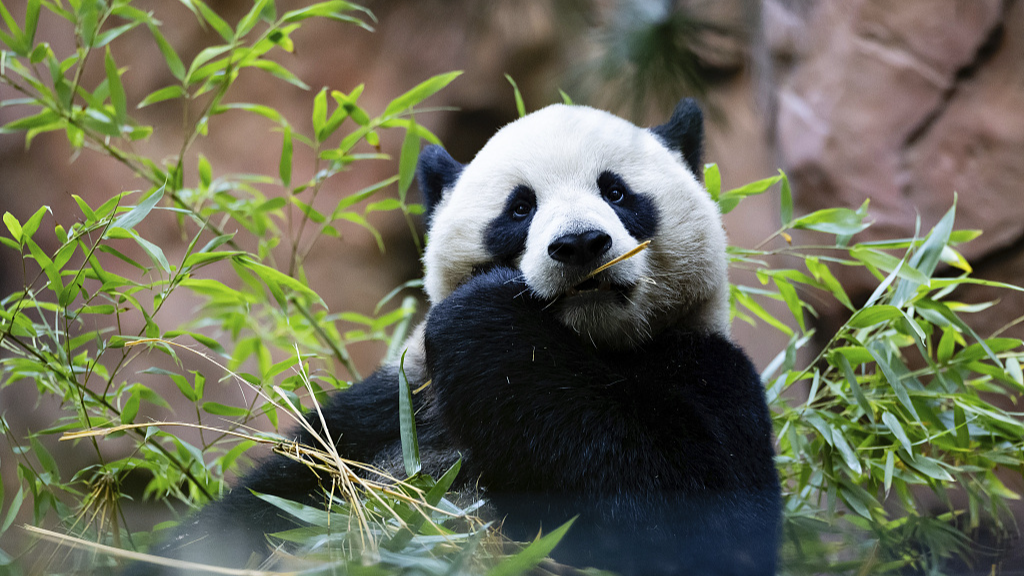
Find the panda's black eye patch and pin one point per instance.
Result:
(613, 189)
(505, 236)
(636, 211)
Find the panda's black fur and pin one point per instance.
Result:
(662, 449)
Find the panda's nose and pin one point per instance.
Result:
(580, 249)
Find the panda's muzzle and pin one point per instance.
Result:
(598, 286)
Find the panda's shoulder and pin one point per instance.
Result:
(701, 361)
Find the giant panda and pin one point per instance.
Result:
(616, 399)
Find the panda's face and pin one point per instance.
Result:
(564, 190)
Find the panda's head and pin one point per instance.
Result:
(561, 191)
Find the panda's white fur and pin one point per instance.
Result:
(559, 151)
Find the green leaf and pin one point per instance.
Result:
(109, 36)
(849, 456)
(929, 467)
(324, 9)
(265, 111)
(357, 219)
(117, 95)
(273, 277)
(284, 166)
(890, 465)
(156, 254)
(31, 21)
(786, 205)
(204, 56)
(565, 97)
(713, 181)
(205, 172)
(839, 221)
(822, 273)
(219, 409)
(866, 317)
(319, 112)
(851, 379)
(407, 423)
(531, 555)
(927, 256)
(246, 24)
(419, 93)
(963, 434)
(17, 40)
(165, 93)
(215, 21)
(729, 200)
(520, 106)
(308, 514)
(758, 310)
(138, 213)
(131, 408)
(886, 262)
(407, 161)
(279, 71)
(792, 300)
(44, 118)
(174, 63)
(359, 196)
(894, 426)
(878, 354)
(16, 502)
(13, 226)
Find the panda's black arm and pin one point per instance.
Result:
(361, 420)
(540, 409)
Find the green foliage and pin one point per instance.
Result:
(898, 403)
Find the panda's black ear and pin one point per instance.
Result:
(436, 171)
(684, 133)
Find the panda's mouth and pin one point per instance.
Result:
(596, 286)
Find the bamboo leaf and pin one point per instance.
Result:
(214, 20)
(165, 93)
(218, 409)
(878, 354)
(419, 93)
(893, 424)
(407, 161)
(13, 226)
(838, 221)
(138, 213)
(155, 253)
(246, 24)
(117, 95)
(130, 408)
(851, 379)
(520, 106)
(786, 204)
(174, 63)
(279, 71)
(319, 112)
(532, 554)
(713, 181)
(284, 167)
(407, 423)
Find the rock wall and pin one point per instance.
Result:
(907, 103)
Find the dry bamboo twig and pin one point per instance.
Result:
(183, 565)
(639, 248)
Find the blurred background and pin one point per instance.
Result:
(906, 103)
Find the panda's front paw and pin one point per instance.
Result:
(497, 280)
(486, 305)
